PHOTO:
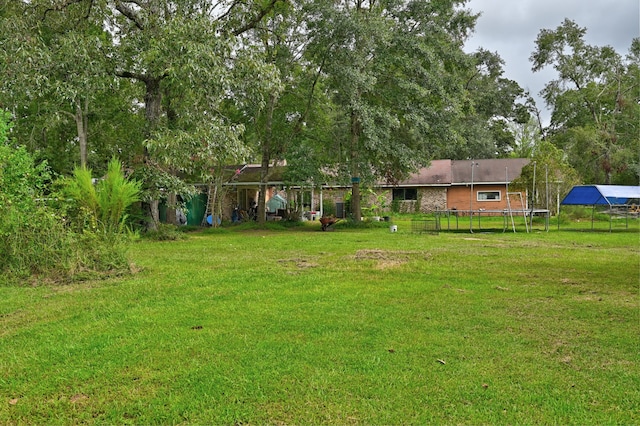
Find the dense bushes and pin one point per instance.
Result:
(45, 236)
(25, 240)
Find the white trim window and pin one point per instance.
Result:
(489, 195)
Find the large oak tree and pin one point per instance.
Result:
(595, 103)
(394, 74)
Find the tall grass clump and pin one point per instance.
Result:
(37, 245)
(165, 232)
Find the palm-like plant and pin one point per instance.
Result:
(106, 202)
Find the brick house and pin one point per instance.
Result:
(460, 185)
(483, 185)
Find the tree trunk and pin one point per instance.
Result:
(356, 210)
(216, 208)
(152, 112)
(80, 118)
(152, 104)
(266, 158)
(155, 215)
(172, 201)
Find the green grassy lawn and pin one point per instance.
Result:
(354, 326)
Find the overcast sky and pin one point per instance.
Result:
(510, 27)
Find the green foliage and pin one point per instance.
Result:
(5, 125)
(392, 72)
(594, 100)
(397, 95)
(495, 106)
(29, 232)
(82, 190)
(115, 194)
(418, 204)
(554, 177)
(375, 204)
(21, 184)
(45, 250)
(395, 206)
(36, 246)
(101, 206)
(329, 207)
(59, 84)
(22, 181)
(527, 137)
(576, 213)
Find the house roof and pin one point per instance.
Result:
(458, 172)
(589, 195)
(496, 170)
(438, 173)
(250, 175)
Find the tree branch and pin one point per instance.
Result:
(130, 14)
(63, 6)
(301, 120)
(132, 75)
(228, 12)
(256, 19)
(68, 114)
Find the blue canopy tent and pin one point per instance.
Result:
(603, 195)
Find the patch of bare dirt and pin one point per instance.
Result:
(78, 398)
(299, 263)
(389, 259)
(387, 254)
(387, 264)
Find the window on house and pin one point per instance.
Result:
(489, 196)
(403, 194)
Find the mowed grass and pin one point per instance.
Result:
(355, 326)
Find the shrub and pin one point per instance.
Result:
(30, 237)
(22, 182)
(329, 208)
(102, 206)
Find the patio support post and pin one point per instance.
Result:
(312, 204)
(533, 196)
(473, 165)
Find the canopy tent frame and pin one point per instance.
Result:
(602, 195)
